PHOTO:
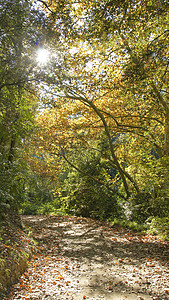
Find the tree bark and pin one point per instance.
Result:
(122, 174)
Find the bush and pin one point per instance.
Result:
(159, 226)
(46, 209)
(28, 208)
(86, 198)
(142, 206)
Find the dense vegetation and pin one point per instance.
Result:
(86, 130)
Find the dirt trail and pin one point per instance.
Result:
(79, 258)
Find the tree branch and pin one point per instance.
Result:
(45, 4)
(86, 174)
(160, 98)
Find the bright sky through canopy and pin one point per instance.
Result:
(43, 56)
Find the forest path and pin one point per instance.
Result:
(80, 258)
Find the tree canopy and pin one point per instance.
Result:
(102, 99)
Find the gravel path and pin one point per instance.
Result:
(79, 258)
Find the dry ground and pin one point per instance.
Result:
(79, 258)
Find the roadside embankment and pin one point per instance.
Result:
(15, 250)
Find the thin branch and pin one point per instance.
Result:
(45, 4)
(160, 98)
(86, 174)
(118, 124)
(140, 117)
(165, 72)
(157, 37)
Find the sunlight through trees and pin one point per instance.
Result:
(83, 82)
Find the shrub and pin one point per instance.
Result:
(159, 226)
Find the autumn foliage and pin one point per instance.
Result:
(100, 136)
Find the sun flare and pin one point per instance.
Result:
(43, 56)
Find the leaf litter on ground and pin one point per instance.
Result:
(80, 258)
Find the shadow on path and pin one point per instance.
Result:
(80, 258)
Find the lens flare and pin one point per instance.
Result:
(43, 56)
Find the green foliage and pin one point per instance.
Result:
(152, 176)
(17, 109)
(38, 195)
(85, 193)
(28, 208)
(12, 185)
(159, 226)
(47, 209)
(142, 206)
(133, 225)
(124, 94)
